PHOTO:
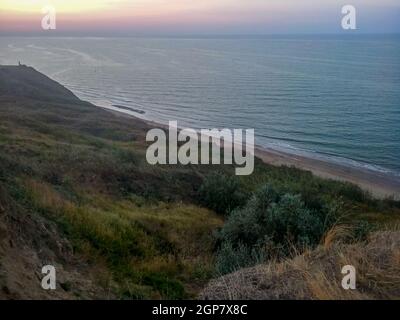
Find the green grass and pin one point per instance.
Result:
(155, 248)
(85, 170)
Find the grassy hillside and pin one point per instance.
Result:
(316, 275)
(76, 191)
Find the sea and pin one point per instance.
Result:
(336, 98)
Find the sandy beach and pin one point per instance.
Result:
(380, 185)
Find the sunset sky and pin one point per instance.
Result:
(198, 16)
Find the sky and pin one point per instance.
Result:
(130, 17)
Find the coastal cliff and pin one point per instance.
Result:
(76, 192)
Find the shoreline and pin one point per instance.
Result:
(379, 184)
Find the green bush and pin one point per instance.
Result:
(222, 193)
(279, 222)
(230, 258)
(361, 230)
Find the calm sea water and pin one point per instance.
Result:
(330, 97)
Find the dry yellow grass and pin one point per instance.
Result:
(317, 274)
(336, 234)
(44, 196)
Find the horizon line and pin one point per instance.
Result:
(52, 34)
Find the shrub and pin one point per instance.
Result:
(362, 230)
(279, 222)
(290, 222)
(221, 193)
(230, 258)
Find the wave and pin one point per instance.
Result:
(298, 101)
